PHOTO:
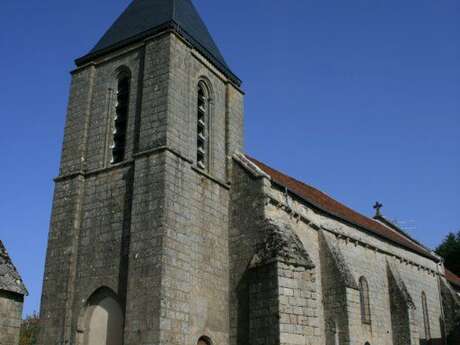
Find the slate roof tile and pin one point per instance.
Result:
(144, 18)
(10, 280)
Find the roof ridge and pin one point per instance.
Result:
(313, 187)
(394, 227)
(329, 205)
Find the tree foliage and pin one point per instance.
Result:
(449, 250)
(29, 330)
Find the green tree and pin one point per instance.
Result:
(449, 250)
(29, 330)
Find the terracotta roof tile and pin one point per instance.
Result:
(453, 278)
(332, 207)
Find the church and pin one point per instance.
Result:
(164, 231)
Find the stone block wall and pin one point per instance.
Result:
(143, 300)
(263, 305)
(337, 284)
(153, 98)
(90, 232)
(366, 263)
(103, 239)
(451, 305)
(10, 317)
(187, 68)
(247, 217)
(298, 305)
(74, 145)
(195, 265)
(274, 284)
(402, 309)
(195, 252)
(152, 229)
(90, 225)
(58, 288)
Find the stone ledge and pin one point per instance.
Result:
(123, 164)
(212, 178)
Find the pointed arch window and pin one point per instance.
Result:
(120, 122)
(365, 301)
(426, 316)
(203, 124)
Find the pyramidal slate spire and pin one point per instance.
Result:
(144, 18)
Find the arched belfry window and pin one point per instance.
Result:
(120, 121)
(203, 126)
(365, 301)
(426, 317)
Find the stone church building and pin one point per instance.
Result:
(164, 232)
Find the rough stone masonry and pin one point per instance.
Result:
(12, 293)
(164, 232)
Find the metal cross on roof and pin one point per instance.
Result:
(378, 206)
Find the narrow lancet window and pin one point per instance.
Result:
(202, 155)
(121, 119)
(365, 301)
(426, 317)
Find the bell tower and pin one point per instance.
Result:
(138, 242)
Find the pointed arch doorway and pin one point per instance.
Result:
(204, 341)
(103, 320)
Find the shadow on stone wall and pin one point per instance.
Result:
(435, 342)
(243, 310)
(453, 339)
(454, 336)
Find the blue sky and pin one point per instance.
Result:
(358, 98)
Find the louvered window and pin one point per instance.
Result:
(203, 105)
(120, 125)
(365, 301)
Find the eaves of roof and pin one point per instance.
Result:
(331, 207)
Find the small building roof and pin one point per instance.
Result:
(144, 18)
(10, 280)
(328, 205)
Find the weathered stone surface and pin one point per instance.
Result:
(152, 229)
(341, 265)
(281, 244)
(402, 308)
(451, 305)
(10, 317)
(10, 280)
(12, 292)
